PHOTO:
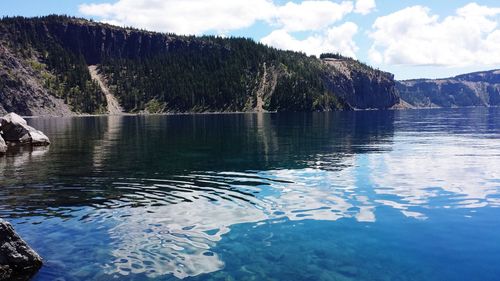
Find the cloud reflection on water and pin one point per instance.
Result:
(178, 237)
(159, 239)
(167, 189)
(466, 170)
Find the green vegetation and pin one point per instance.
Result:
(215, 74)
(64, 73)
(73, 83)
(333, 56)
(164, 72)
(154, 106)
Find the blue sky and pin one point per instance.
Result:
(410, 38)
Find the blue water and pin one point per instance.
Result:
(382, 195)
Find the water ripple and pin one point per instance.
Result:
(168, 221)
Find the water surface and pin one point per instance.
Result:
(382, 195)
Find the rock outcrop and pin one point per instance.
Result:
(361, 86)
(15, 129)
(17, 260)
(3, 145)
(473, 89)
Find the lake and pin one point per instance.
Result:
(368, 195)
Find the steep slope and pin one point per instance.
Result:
(114, 107)
(473, 89)
(360, 85)
(22, 88)
(154, 72)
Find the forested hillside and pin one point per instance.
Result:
(44, 70)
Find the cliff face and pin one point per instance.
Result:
(359, 85)
(97, 41)
(473, 89)
(44, 70)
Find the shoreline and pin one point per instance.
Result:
(242, 112)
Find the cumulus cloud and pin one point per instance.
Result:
(365, 7)
(317, 17)
(180, 16)
(334, 39)
(414, 36)
(198, 16)
(311, 15)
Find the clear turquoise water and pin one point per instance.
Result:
(382, 195)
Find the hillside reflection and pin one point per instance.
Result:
(89, 155)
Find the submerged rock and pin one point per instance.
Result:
(3, 146)
(15, 129)
(17, 260)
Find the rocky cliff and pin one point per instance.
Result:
(360, 85)
(44, 66)
(473, 89)
(22, 88)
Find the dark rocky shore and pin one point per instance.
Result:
(17, 260)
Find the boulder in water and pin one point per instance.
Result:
(17, 260)
(15, 129)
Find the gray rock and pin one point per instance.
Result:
(473, 89)
(23, 88)
(17, 260)
(3, 146)
(361, 86)
(15, 129)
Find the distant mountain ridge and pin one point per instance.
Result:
(44, 70)
(472, 89)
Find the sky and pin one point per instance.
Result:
(410, 38)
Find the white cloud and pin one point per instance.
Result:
(334, 39)
(223, 16)
(199, 16)
(365, 7)
(311, 15)
(181, 16)
(414, 36)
